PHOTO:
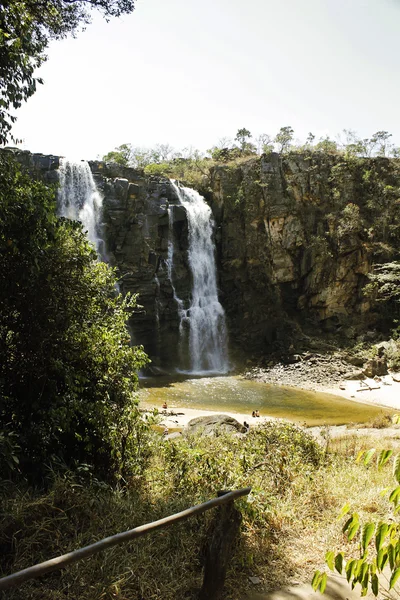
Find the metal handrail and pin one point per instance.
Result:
(60, 562)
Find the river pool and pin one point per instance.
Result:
(235, 394)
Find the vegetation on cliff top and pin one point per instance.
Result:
(244, 145)
(195, 167)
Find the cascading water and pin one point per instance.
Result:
(204, 318)
(79, 199)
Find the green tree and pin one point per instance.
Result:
(284, 138)
(353, 145)
(310, 139)
(243, 137)
(380, 143)
(163, 153)
(68, 372)
(139, 158)
(121, 155)
(264, 144)
(26, 27)
(327, 145)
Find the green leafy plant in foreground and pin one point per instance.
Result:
(378, 543)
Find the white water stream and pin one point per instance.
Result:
(79, 199)
(202, 322)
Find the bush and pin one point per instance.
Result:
(68, 371)
(279, 450)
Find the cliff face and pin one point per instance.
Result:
(142, 215)
(295, 238)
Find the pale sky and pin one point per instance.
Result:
(190, 72)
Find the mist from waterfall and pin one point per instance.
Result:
(79, 199)
(203, 321)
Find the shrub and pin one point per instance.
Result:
(68, 371)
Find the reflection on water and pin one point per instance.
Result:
(234, 394)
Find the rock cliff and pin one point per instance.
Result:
(141, 214)
(296, 237)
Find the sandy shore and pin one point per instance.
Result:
(385, 393)
(182, 416)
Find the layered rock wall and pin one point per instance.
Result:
(142, 216)
(298, 235)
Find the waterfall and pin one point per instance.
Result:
(170, 259)
(204, 318)
(79, 199)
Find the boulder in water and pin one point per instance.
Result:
(213, 425)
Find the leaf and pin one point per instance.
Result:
(381, 559)
(316, 580)
(369, 456)
(322, 584)
(396, 468)
(354, 527)
(363, 574)
(347, 524)
(330, 559)
(390, 551)
(350, 568)
(381, 533)
(394, 578)
(395, 496)
(358, 569)
(339, 562)
(351, 526)
(384, 457)
(344, 511)
(365, 577)
(359, 456)
(375, 584)
(368, 532)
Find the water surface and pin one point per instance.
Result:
(234, 394)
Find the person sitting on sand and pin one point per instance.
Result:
(165, 405)
(257, 413)
(253, 414)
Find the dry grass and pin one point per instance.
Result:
(309, 514)
(285, 534)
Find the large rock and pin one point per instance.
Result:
(214, 425)
(376, 366)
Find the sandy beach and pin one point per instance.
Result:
(385, 393)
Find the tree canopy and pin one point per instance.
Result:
(26, 27)
(68, 372)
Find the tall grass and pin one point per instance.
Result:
(289, 520)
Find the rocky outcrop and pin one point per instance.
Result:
(141, 217)
(298, 235)
(41, 166)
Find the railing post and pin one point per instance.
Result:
(225, 528)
